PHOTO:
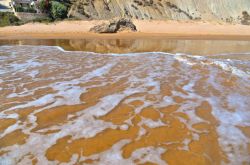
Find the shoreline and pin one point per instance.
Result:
(136, 35)
(146, 29)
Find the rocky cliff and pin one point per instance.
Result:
(234, 11)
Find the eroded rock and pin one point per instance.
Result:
(114, 26)
(205, 10)
(245, 18)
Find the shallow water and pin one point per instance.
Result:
(87, 108)
(140, 45)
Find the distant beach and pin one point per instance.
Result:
(153, 28)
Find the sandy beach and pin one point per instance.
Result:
(172, 93)
(166, 29)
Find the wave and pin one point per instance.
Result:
(82, 94)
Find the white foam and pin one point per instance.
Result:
(44, 100)
(186, 143)
(232, 69)
(84, 126)
(231, 139)
(7, 161)
(124, 127)
(183, 59)
(98, 72)
(151, 123)
(23, 66)
(167, 100)
(10, 129)
(33, 73)
(9, 116)
(189, 86)
(233, 143)
(106, 105)
(67, 89)
(12, 95)
(149, 154)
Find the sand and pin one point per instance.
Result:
(171, 29)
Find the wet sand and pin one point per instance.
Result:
(146, 29)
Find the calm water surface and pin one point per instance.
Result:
(127, 108)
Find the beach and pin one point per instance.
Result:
(145, 29)
(174, 92)
(127, 82)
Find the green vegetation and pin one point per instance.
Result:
(7, 19)
(54, 9)
(45, 20)
(58, 10)
(44, 6)
(22, 9)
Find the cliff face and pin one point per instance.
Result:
(235, 11)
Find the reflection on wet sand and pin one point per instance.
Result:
(139, 108)
(198, 47)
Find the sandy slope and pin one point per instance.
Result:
(80, 29)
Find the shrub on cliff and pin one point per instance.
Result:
(43, 6)
(58, 10)
(7, 19)
(27, 9)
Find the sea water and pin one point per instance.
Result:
(72, 107)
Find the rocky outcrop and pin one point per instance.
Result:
(114, 26)
(207, 10)
(246, 18)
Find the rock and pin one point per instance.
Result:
(114, 26)
(204, 10)
(245, 20)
